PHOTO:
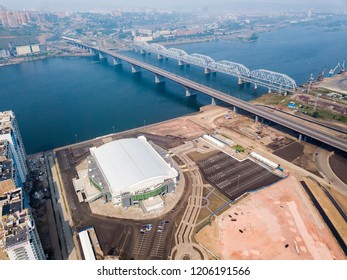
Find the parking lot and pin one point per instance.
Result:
(151, 242)
(234, 178)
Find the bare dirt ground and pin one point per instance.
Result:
(337, 83)
(3, 255)
(278, 222)
(338, 164)
(327, 105)
(268, 139)
(182, 127)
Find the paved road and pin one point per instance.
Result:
(322, 160)
(299, 126)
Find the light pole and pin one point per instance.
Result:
(315, 104)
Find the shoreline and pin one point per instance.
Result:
(41, 58)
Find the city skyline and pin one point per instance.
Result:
(179, 4)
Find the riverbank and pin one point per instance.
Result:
(336, 83)
(19, 60)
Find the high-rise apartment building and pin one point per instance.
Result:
(8, 174)
(17, 229)
(9, 131)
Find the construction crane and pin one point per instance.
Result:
(332, 71)
(320, 75)
(310, 81)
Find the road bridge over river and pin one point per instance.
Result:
(298, 125)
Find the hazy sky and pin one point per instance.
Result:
(172, 4)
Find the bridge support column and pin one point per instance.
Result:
(240, 82)
(300, 137)
(158, 79)
(235, 110)
(256, 119)
(269, 91)
(207, 71)
(160, 57)
(189, 92)
(255, 86)
(117, 61)
(101, 56)
(213, 103)
(180, 63)
(142, 51)
(135, 69)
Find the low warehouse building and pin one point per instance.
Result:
(129, 171)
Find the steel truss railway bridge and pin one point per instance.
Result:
(303, 128)
(261, 77)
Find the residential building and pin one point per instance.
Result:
(18, 231)
(9, 131)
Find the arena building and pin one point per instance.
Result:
(130, 171)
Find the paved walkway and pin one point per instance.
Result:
(185, 248)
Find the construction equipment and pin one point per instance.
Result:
(320, 75)
(311, 79)
(332, 71)
(309, 82)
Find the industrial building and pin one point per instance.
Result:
(86, 245)
(132, 170)
(90, 244)
(268, 163)
(9, 132)
(18, 231)
(29, 49)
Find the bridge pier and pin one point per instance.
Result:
(235, 109)
(116, 61)
(302, 137)
(135, 69)
(256, 119)
(240, 82)
(255, 86)
(213, 103)
(142, 51)
(160, 57)
(180, 63)
(101, 56)
(189, 92)
(207, 71)
(269, 91)
(158, 79)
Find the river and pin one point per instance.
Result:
(61, 100)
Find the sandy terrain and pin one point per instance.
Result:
(337, 83)
(182, 127)
(278, 222)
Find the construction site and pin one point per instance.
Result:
(238, 179)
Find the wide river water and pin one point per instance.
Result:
(61, 100)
